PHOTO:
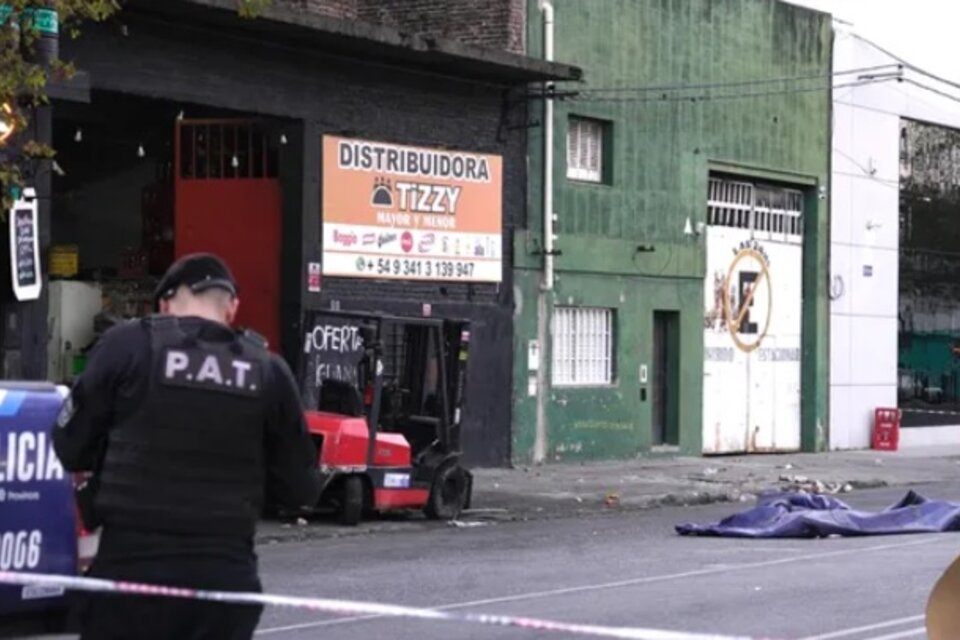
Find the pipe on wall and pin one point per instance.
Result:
(546, 7)
(546, 285)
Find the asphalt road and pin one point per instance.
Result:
(625, 570)
(620, 570)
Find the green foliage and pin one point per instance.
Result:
(251, 8)
(24, 76)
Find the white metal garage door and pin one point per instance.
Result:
(753, 302)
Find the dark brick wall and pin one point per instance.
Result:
(331, 95)
(344, 9)
(499, 24)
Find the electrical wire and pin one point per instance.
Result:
(731, 96)
(907, 65)
(932, 76)
(925, 87)
(867, 173)
(739, 83)
(903, 62)
(855, 162)
(837, 288)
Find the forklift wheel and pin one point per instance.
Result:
(448, 493)
(351, 509)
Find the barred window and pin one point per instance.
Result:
(583, 349)
(585, 150)
(744, 205)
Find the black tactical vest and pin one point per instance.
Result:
(191, 459)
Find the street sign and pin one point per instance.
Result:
(25, 246)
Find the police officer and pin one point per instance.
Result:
(188, 426)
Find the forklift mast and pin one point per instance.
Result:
(370, 378)
(458, 341)
(409, 375)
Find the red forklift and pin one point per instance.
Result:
(384, 413)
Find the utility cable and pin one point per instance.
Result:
(738, 83)
(730, 96)
(932, 76)
(867, 173)
(903, 63)
(925, 87)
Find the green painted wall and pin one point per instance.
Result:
(662, 152)
(610, 422)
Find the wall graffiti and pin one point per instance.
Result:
(603, 425)
(713, 318)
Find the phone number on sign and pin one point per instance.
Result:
(416, 268)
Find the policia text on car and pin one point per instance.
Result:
(188, 427)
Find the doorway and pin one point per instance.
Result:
(751, 337)
(228, 201)
(666, 378)
(124, 204)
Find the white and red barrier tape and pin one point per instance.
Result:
(75, 583)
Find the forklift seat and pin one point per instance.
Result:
(341, 398)
(420, 431)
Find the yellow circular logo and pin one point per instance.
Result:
(748, 316)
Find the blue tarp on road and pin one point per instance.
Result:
(802, 515)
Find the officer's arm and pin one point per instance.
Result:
(293, 479)
(87, 412)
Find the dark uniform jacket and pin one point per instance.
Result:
(189, 428)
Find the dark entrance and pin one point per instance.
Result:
(666, 378)
(228, 201)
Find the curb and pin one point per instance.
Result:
(535, 511)
(322, 530)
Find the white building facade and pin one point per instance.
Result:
(874, 111)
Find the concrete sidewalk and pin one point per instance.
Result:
(580, 490)
(571, 489)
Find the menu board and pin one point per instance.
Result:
(333, 350)
(25, 247)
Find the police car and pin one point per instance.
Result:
(40, 528)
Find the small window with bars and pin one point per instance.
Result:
(744, 205)
(585, 150)
(225, 150)
(583, 347)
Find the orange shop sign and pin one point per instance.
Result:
(411, 213)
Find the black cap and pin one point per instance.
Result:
(199, 272)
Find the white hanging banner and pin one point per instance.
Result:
(25, 246)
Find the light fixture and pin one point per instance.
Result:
(141, 152)
(7, 124)
(283, 138)
(234, 161)
(78, 136)
(180, 115)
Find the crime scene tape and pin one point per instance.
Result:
(100, 585)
